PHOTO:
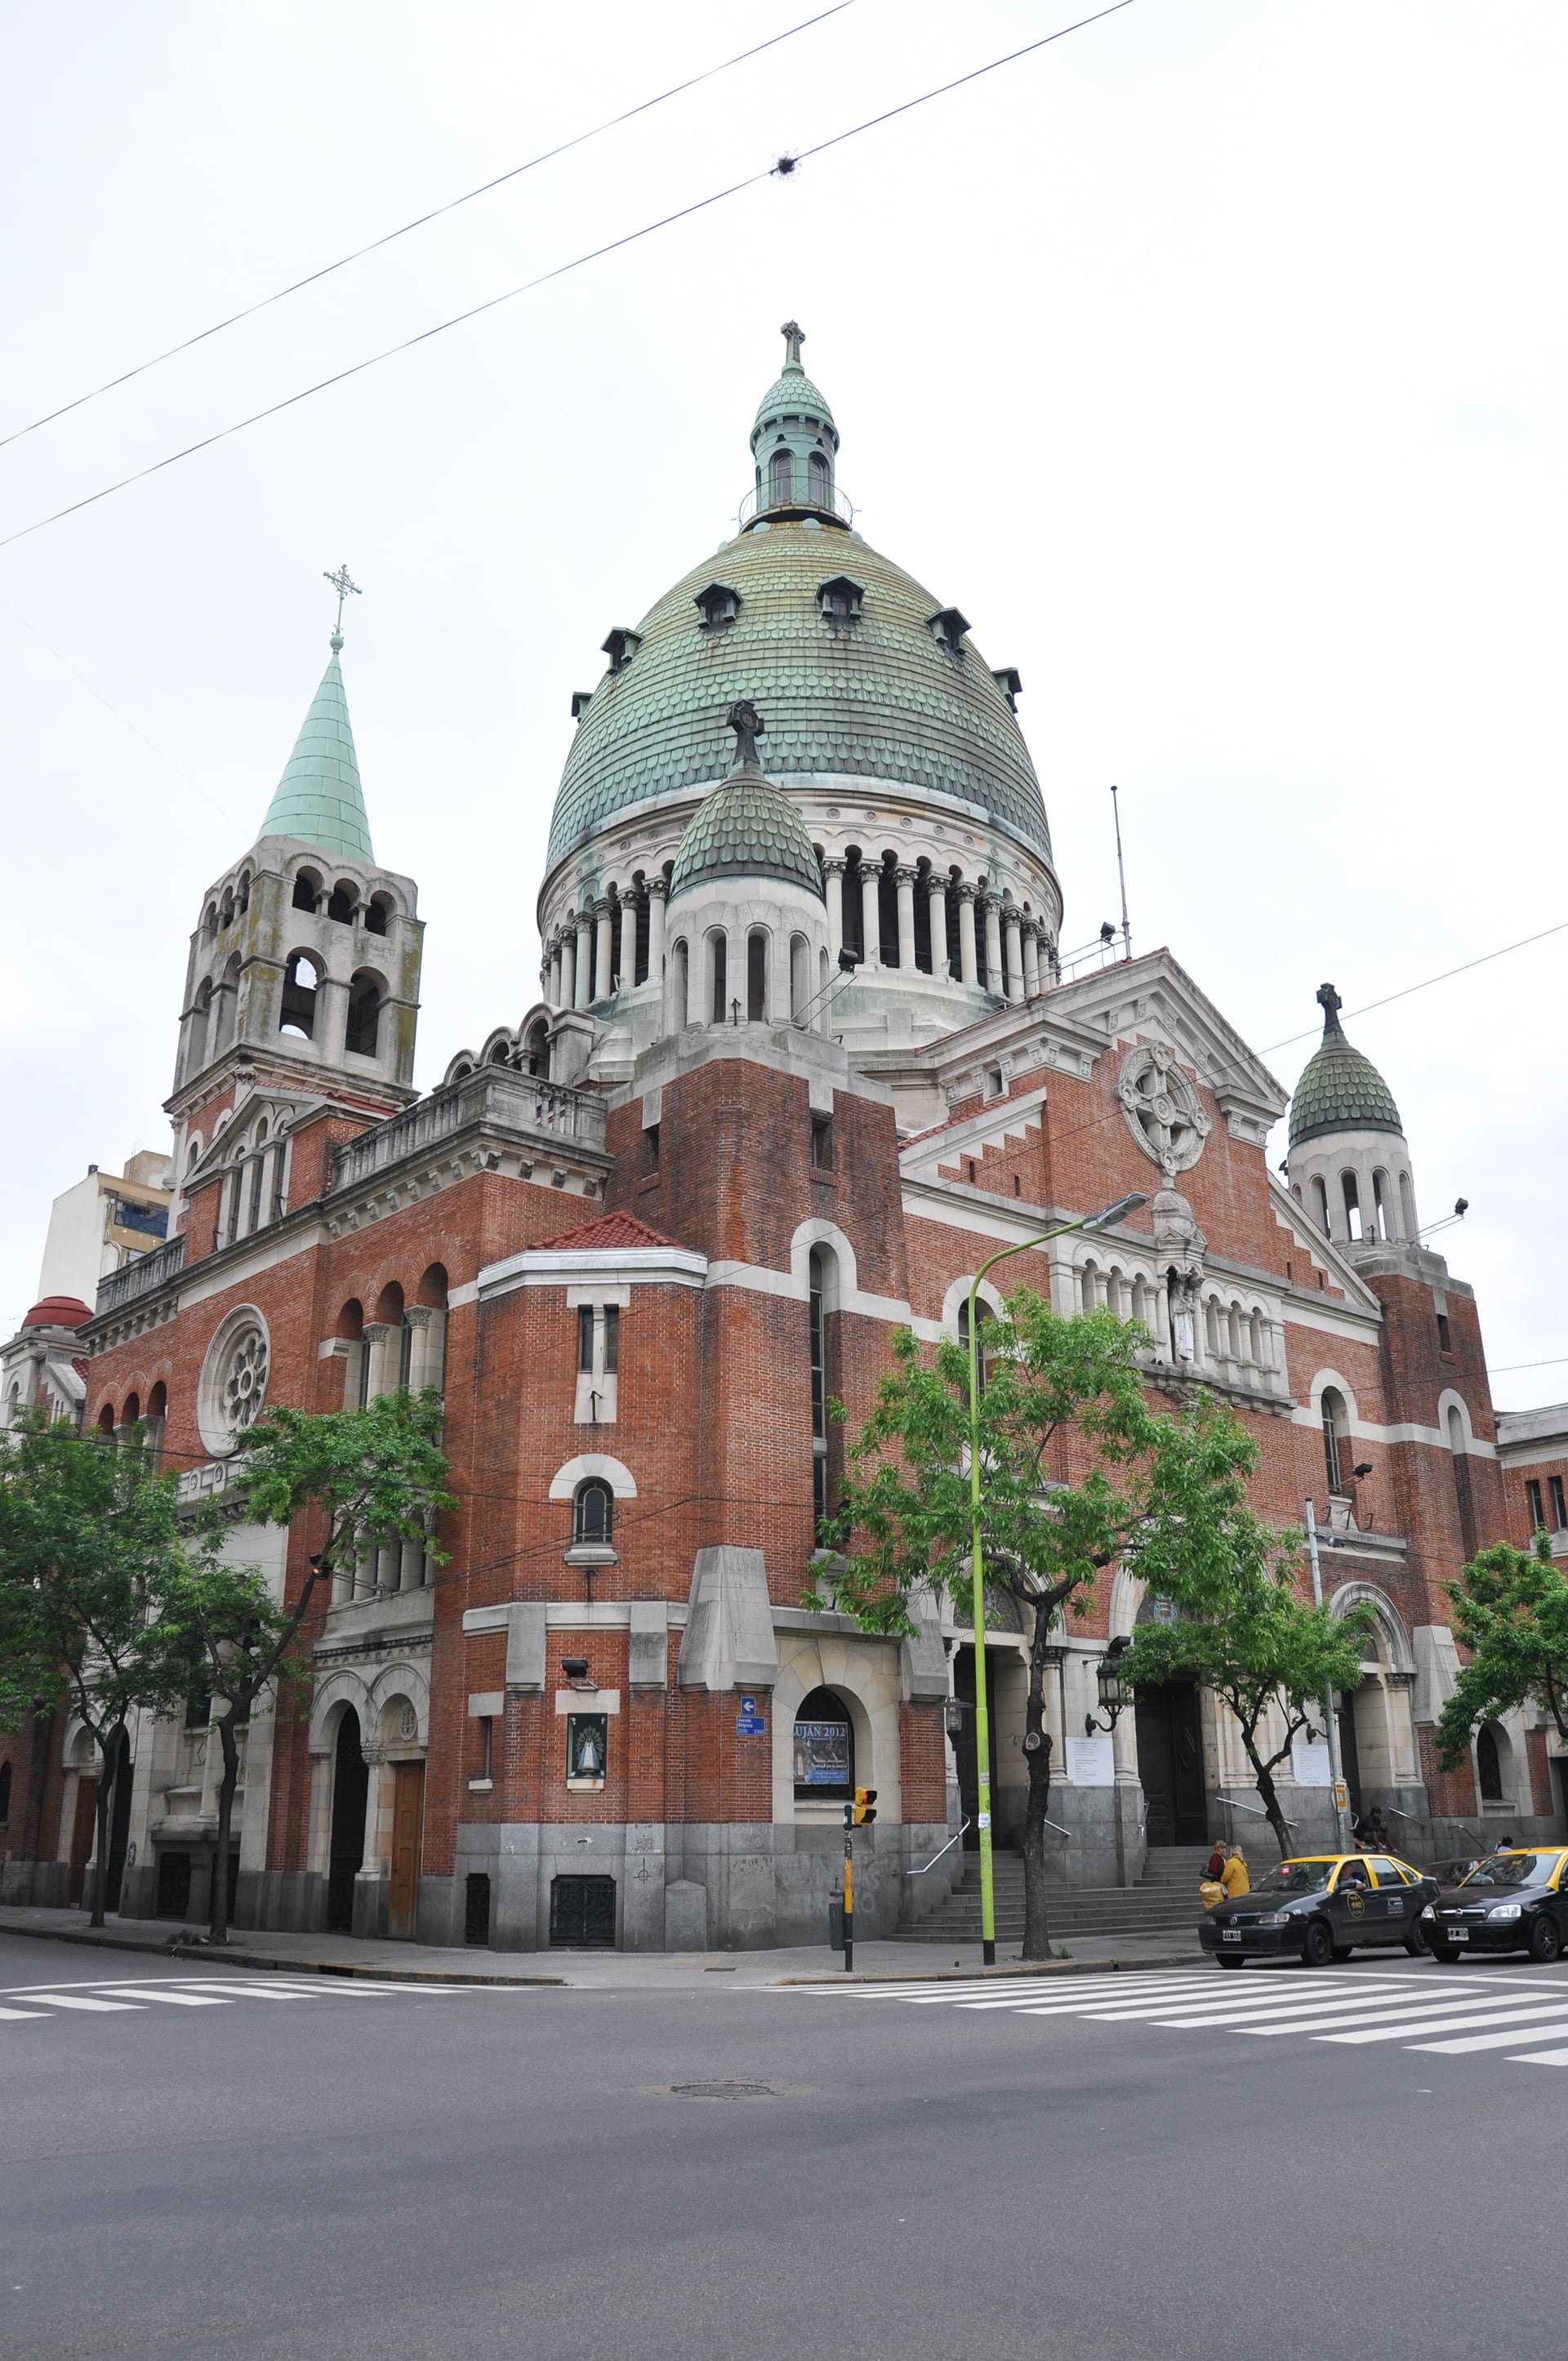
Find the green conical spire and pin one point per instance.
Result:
(1340, 1090)
(318, 798)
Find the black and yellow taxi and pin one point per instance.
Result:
(1512, 1901)
(1323, 1907)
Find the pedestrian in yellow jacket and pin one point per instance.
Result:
(1234, 1876)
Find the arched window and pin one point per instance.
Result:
(343, 902)
(499, 1054)
(1336, 1439)
(1351, 1203)
(818, 1326)
(377, 914)
(131, 1414)
(228, 1005)
(887, 911)
(536, 1048)
(1114, 1299)
(680, 978)
(824, 1748)
(1087, 1287)
(1455, 1433)
(364, 1015)
(300, 977)
(1234, 1331)
(718, 971)
(1212, 1328)
(782, 479)
(1406, 1207)
(225, 916)
(983, 1316)
(1381, 1205)
(1489, 1764)
(1321, 1204)
(799, 978)
(196, 1040)
(1254, 1338)
(817, 480)
(307, 890)
(756, 977)
(242, 899)
(593, 1512)
(106, 1419)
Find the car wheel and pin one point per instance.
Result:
(1229, 1960)
(1545, 1941)
(1317, 1945)
(1416, 1942)
(1446, 1952)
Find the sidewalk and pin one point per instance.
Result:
(341, 1955)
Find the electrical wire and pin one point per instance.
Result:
(782, 168)
(1367, 1006)
(436, 212)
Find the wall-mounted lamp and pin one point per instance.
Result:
(1114, 1694)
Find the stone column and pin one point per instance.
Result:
(1031, 960)
(833, 885)
(905, 917)
(968, 972)
(992, 943)
(605, 952)
(627, 967)
(1013, 957)
(657, 890)
(567, 954)
(871, 916)
(330, 1032)
(936, 888)
(583, 972)
(553, 973)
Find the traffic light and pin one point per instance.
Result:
(865, 1807)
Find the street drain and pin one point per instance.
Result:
(721, 2091)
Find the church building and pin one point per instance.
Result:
(803, 1050)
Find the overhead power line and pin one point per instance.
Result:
(390, 237)
(1425, 985)
(781, 167)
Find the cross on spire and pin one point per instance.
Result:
(344, 587)
(794, 336)
(1331, 1004)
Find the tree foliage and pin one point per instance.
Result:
(1511, 1615)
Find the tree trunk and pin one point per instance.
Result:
(1037, 1756)
(1264, 1775)
(218, 1915)
(109, 1749)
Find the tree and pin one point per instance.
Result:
(368, 1476)
(1240, 1629)
(1511, 1614)
(89, 1537)
(903, 1525)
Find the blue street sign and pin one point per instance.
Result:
(750, 1724)
(747, 1704)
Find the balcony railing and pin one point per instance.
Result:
(493, 1099)
(141, 1275)
(800, 501)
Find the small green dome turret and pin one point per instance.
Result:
(1340, 1090)
(794, 443)
(747, 829)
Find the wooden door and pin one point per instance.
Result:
(83, 1829)
(408, 1824)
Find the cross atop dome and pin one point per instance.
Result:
(1331, 1004)
(794, 336)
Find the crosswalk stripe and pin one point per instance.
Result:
(1081, 2003)
(1399, 2013)
(1447, 2023)
(75, 2000)
(1249, 2004)
(1488, 2040)
(1540, 2057)
(172, 1999)
(1325, 2011)
(263, 1991)
(22, 2016)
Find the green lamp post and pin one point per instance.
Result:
(1101, 1221)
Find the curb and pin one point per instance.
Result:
(1062, 1968)
(89, 1939)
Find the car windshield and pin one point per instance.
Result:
(1296, 1877)
(1513, 1868)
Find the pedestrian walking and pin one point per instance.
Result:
(1234, 1876)
(1215, 1865)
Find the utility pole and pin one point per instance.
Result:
(857, 1815)
(1342, 1810)
(1121, 874)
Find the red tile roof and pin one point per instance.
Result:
(610, 1233)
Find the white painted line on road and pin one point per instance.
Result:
(1248, 2003)
(172, 1999)
(22, 2016)
(68, 2000)
(1540, 2057)
(1080, 2003)
(1489, 2040)
(1399, 2013)
(1324, 2012)
(1446, 2022)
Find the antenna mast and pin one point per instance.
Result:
(1121, 874)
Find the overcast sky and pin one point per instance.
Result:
(1211, 359)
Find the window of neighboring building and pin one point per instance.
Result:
(1532, 1496)
(1559, 1513)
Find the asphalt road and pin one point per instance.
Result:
(289, 2171)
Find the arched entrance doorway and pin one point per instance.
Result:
(350, 1790)
(119, 1821)
(824, 1748)
(1171, 1764)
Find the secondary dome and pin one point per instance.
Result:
(746, 829)
(58, 1311)
(864, 675)
(1340, 1090)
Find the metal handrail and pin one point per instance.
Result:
(1235, 1803)
(936, 1857)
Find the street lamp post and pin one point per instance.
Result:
(1101, 1221)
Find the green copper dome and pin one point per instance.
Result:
(1340, 1090)
(791, 392)
(318, 799)
(745, 828)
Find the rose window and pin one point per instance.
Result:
(1164, 1112)
(244, 1380)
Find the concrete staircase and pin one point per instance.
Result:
(1166, 1903)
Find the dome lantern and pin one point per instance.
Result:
(794, 446)
(1348, 1163)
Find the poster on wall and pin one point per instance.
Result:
(821, 1753)
(1309, 1762)
(1092, 1762)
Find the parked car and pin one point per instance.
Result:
(1323, 1907)
(1514, 1901)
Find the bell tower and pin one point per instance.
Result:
(303, 984)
